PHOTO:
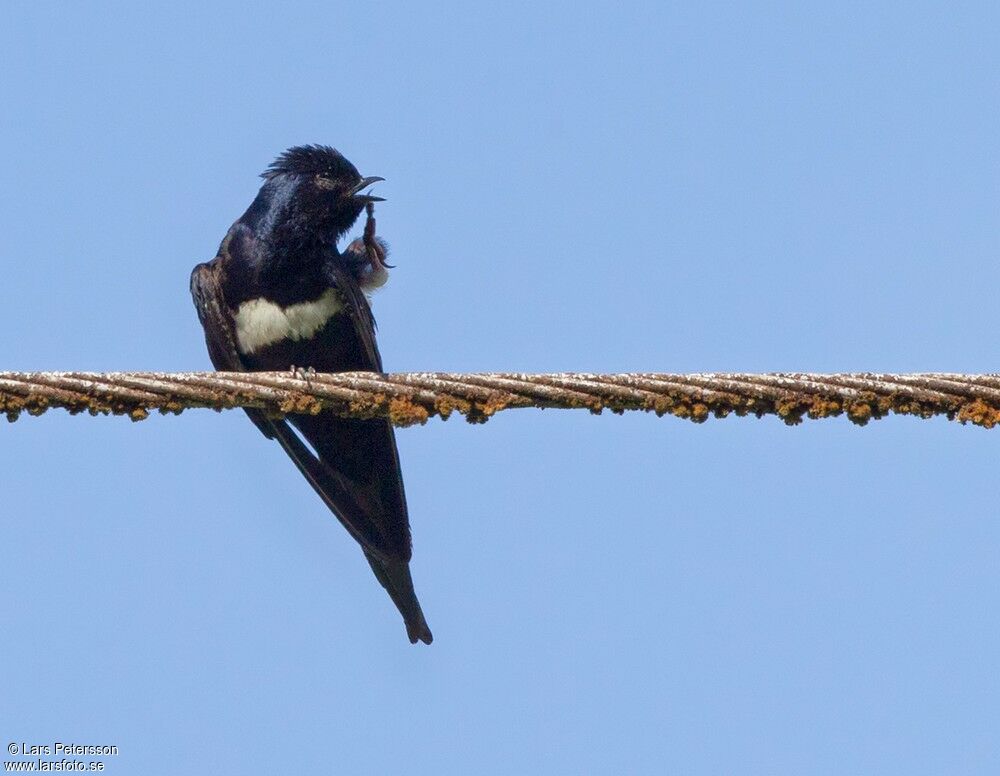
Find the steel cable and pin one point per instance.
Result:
(409, 398)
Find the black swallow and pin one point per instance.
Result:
(279, 295)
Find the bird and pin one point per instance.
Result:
(280, 296)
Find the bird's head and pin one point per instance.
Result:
(326, 192)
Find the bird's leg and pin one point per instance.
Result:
(366, 255)
(374, 247)
(302, 373)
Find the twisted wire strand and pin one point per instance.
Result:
(411, 398)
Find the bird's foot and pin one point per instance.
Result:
(374, 247)
(302, 373)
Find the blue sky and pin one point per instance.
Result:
(606, 187)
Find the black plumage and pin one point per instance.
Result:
(280, 295)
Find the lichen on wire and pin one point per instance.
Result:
(412, 398)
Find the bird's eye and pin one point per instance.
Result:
(325, 183)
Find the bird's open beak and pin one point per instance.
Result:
(365, 183)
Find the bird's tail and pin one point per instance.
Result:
(395, 578)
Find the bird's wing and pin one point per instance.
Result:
(358, 455)
(356, 306)
(220, 334)
(216, 320)
(356, 472)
